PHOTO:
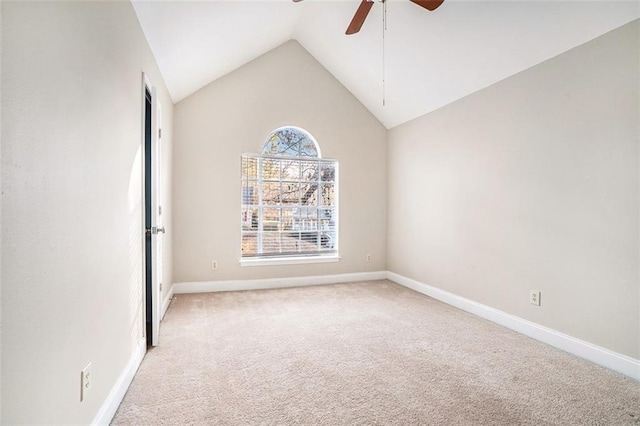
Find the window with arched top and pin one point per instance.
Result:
(289, 199)
(291, 142)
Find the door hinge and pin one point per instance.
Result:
(159, 133)
(159, 210)
(160, 287)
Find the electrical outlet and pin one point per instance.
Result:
(85, 382)
(369, 257)
(534, 297)
(214, 264)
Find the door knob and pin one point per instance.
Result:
(155, 230)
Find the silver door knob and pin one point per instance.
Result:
(155, 230)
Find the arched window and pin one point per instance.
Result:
(289, 199)
(291, 142)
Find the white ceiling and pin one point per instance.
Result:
(430, 58)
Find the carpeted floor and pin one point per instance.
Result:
(360, 354)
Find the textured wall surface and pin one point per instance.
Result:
(531, 184)
(235, 115)
(71, 181)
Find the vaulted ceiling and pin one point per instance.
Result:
(426, 59)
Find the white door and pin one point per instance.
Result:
(156, 297)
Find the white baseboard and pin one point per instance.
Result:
(119, 389)
(621, 363)
(166, 302)
(235, 285)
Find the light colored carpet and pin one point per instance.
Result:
(356, 354)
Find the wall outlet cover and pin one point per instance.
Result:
(534, 297)
(85, 382)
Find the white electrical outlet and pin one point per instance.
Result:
(369, 257)
(214, 264)
(85, 382)
(534, 297)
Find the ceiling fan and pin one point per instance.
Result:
(365, 7)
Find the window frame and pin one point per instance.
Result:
(318, 229)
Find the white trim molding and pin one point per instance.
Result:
(119, 389)
(165, 303)
(262, 284)
(621, 363)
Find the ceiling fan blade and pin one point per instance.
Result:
(359, 17)
(429, 4)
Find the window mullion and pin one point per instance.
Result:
(299, 206)
(318, 195)
(260, 206)
(280, 201)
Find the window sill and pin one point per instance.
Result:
(289, 260)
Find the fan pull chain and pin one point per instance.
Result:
(384, 29)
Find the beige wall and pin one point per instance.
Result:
(531, 184)
(71, 182)
(234, 115)
(0, 218)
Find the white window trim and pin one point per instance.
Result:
(290, 259)
(275, 261)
